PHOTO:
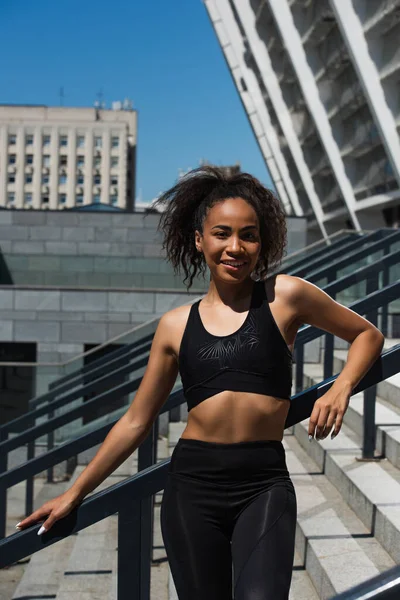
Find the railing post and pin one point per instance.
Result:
(385, 308)
(30, 480)
(329, 338)
(50, 446)
(129, 560)
(328, 355)
(3, 488)
(147, 456)
(369, 429)
(369, 432)
(299, 368)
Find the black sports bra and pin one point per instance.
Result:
(255, 358)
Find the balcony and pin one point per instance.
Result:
(386, 16)
(362, 140)
(378, 179)
(391, 69)
(332, 200)
(321, 166)
(286, 76)
(334, 64)
(350, 100)
(321, 24)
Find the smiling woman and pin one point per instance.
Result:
(229, 502)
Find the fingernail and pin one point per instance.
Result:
(310, 437)
(18, 525)
(41, 530)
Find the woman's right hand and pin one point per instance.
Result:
(50, 512)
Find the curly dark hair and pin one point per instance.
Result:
(187, 204)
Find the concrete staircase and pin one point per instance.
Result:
(348, 525)
(83, 566)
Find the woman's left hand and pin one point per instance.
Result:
(328, 413)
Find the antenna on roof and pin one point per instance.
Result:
(100, 103)
(61, 93)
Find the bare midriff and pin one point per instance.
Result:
(231, 417)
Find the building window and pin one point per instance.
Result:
(98, 141)
(79, 199)
(97, 179)
(97, 161)
(28, 198)
(80, 161)
(28, 139)
(45, 179)
(29, 159)
(62, 179)
(114, 161)
(80, 141)
(114, 179)
(115, 142)
(46, 160)
(28, 178)
(46, 139)
(63, 161)
(96, 199)
(12, 159)
(62, 198)
(63, 140)
(114, 199)
(45, 199)
(80, 180)
(11, 178)
(10, 197)
(12, 139)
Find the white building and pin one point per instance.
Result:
(320, 81)
(61, 157)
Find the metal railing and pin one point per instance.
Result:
(385, 586)
(130, 498)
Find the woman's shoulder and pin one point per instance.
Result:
(174, 321)
(285, 287)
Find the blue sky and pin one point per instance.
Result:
(162, 54)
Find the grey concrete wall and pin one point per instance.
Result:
(96, 250)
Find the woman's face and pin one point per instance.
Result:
(230, 235)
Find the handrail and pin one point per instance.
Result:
(385, 586)
(52, 400)
(290, 264)
(336, 250)
(126, 497)
(315, 266)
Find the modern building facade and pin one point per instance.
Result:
(320, 82)
(62, 157)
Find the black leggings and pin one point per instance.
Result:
(228, 520)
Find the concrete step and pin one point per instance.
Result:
(388, 390)
(45, 569)
(334, 545)
(387, 415)
(84, 566)
(371, 489)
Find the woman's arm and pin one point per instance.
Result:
(313, 306)
(126, 435)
